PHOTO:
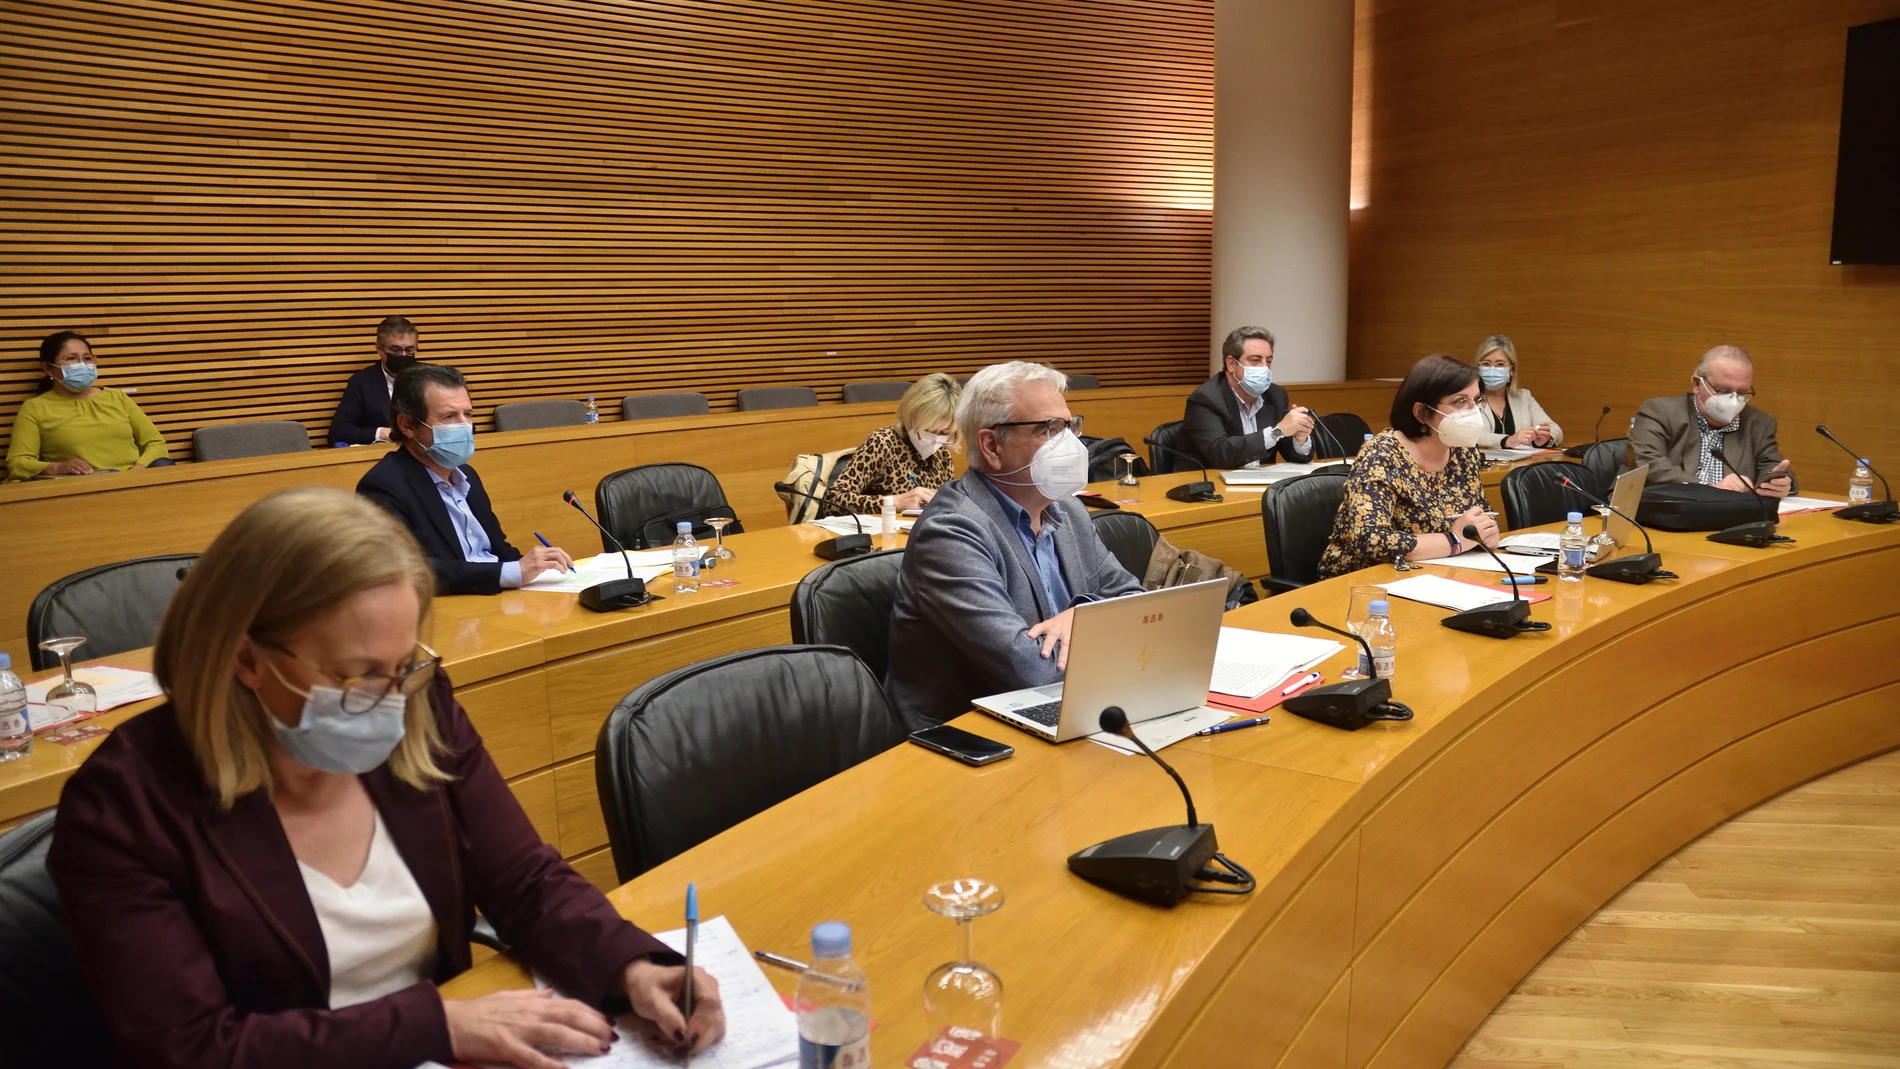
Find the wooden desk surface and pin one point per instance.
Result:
(1409, 873)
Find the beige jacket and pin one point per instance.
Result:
(1525, 412)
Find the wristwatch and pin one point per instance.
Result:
(1274, 435)
(1457, 547)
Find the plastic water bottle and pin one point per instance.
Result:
(685, 560)
(1860, 488)
(833, 1002)
(16, 737)
(889, 520)
(1379, 633)
(1572, 550)
(593, 410)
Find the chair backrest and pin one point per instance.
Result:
(1297, 515)
(46, 1016)
(1345, 432)
(860, 392)
(848, 603)
(533, 415)
(1605, 460)
(759, 398)
(688, 755)
(1165, 457)
(663, 405)
(1130, 537)
(229, 441)
(116, 606)
(643, 505)
(1534, 494)
(1082, 380)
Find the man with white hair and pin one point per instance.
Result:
(1678, 436)
(1001, 555)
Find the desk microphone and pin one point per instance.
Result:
(1158, 865)
(1200, 491)
(1637, 568)
(1761, 533)
(614, 593)
(1350, 705)
(1495, 621)
(1873, 511)
(1596, 435)
(850, 545)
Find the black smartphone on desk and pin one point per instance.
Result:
(967, 747)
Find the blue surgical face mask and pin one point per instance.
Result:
(1255, 380)
(330, 740)
(78, 376)
(1494, 378)
(454, 444)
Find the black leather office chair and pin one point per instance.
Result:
(1342, 435)
(116, 606)
(46, 1015)
(1167, 457)
(848, 603)
(642, 506)
(1605, 460)
(260, 438)
(761, 398)
(1535, 494)
(1297, 515)
(535, 415)
(1082, 380)
(663, 405)
(857, 393)
(690, 754)
(1130, 537)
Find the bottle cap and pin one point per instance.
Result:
(1379, 607)
(831, 939)
(684, 527)
(6, 661)
(1866, 463)
(1576, 517)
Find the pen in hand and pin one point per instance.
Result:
(692, 936)
(550, 545)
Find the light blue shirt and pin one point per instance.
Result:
(1250, 422)
(468, 529)
(1041, 548)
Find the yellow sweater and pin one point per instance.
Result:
(106, 430)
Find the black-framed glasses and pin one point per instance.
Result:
(396, 350)
(361, 693)
(1048, 428)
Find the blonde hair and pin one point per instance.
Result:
(284, 563)
(1498, 343)
(930, 400)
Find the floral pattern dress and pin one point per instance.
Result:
(1390, 501)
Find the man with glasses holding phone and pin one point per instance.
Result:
(361, 415)
(1000, 555)
(1678, 436)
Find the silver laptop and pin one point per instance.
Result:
(1625, 497)
(1150, 653)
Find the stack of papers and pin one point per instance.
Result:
(873, 525)
(1542, 543)
(115, 687)
(648, 565)
(1161, 731)
(1272, 473)
(1508, 455)
(1446, 593)
(1478, 558)
(1792, 503)
(1249, 663)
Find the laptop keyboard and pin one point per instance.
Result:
(1048, 713)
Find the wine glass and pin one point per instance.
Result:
(71, 694)
(1606, 545)
(964, 992)
(723, 561)
(1358, 611)
(1127, 477)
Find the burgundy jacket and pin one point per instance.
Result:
(200, 946)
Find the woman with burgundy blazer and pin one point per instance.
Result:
(277, 867)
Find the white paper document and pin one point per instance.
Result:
(873, 525)
(1510, 454)
(1479, 559)
(1248, 663)
(1269, 473)
(1446, 593)
(592, 571)
(1792, 503)
(1543, 543)
(114, 687)
(1162, 730)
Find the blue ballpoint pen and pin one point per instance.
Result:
(692, 936)
(550, 545)
(1234, 725)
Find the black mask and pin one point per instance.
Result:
(397, 363)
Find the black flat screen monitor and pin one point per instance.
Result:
(1867, 174)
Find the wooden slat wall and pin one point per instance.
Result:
(1619, 186)
(577, 197)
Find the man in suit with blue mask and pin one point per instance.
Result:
(1000, 556)
(1241, 418)
(428, 484)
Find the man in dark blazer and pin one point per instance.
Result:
(428, 484)
(1239, 418)
(1676, 436)
(362, 416)
(1000, 557)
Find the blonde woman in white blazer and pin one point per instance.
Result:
(1515, 419)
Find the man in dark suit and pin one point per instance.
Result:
(362, 414)
(1678, 436)
(1239, 418)
(428, 485)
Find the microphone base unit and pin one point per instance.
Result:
(1349, 706)
(1155, 866)
(1637, 569)
(1760, 534)
(1871, 512)
(616, 594)
(838, 548)
(1496, 621)
(1197, 491)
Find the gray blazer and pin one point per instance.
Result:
(1668, 439)
(968, 594)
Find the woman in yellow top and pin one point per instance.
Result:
(73, 427)
(908, 460)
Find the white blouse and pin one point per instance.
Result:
(379, 930)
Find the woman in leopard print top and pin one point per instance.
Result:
(908, 460)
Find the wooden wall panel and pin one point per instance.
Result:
(577, 198)
(1619, 186)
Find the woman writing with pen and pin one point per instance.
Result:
(908, 460)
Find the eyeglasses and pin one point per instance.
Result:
(392, 350)
(1046, 428)
(1747, 395)
(1460, 403)
(361, 693)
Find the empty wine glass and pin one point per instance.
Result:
(723, 561)
(1127, 461)
(1606, 546)
(71, 694)
(964, 992)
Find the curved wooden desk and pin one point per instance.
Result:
(1410, 873)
